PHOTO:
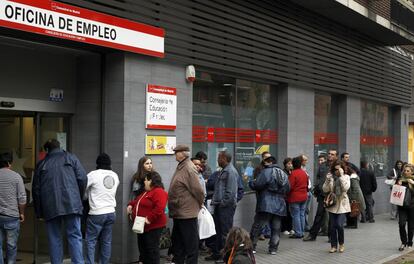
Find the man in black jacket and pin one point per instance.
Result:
(318, 193)
(368, 184)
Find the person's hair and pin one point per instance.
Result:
(195, 158)
(103, 162)
(264, 153)
(349, 170)
(398, 161)
(201, 155)
(155, 178)
(186, 153)
(6, 159)
(302, 157)
(297, 162)
(343, 155)
(322, 156)
(336, 152)
(51, 144)
(336, 163)
(286, 161)
(139, 176)
(364, 164)
(235, 238)
(226, 154)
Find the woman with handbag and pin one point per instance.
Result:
(150, 207)
(406, 212)
(336, 185)
(394, 174)
(356, 199)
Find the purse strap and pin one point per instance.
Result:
(395, 173)
(136, 209)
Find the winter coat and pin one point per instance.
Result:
(342, 201)
(271, 185)
(367, 181)
(59, 183)
(298, 181)
(226, 187)
(186, 195)
(319, 180)
(152, 206)
(355, 192)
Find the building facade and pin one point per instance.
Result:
(279, 76)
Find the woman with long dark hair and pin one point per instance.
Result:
(337, 183)
(151, 205)
(144, 166)
(238, 248)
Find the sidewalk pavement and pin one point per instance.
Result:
(371, 243)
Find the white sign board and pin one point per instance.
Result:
(161, 107)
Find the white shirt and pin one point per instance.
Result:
(101, 191)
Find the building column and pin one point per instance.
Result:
(296, 122)
(400, 125)
(349, 128)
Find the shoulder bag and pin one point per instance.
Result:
(139, 222)
(329, 200)
(355, 208)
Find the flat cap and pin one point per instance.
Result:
(181, 148)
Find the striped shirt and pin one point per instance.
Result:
(12, 192)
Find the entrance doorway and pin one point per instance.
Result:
(24, 133)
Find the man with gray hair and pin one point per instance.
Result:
(185, 199)
(224, 201)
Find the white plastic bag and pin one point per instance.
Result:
(206, 227)
(397, 194)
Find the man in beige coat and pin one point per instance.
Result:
(185, 200)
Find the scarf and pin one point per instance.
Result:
(337, 187)
(405, 179)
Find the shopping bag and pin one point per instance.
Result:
(206, 227)
(397, 195)
(139, 224)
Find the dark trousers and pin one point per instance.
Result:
(149, 246)
(260, 220)
(369, 204)
(223, 219)
(406, 215)
(319, 219)
(336, 222)
(185, 241)
(286, 224)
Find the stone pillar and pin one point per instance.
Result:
(296, 111)
(400, 125)
(349, 128)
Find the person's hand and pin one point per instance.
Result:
(341, 171)
(147, 222)
(129, 209)
(21, 218)
(398, 182)
(410, 181)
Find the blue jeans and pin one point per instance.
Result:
(9, 230)
(297, 210)
(99, 227)
(336, 222)
(73, 233)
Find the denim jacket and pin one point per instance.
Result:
(225, 187)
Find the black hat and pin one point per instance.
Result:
(103, 159)
(270, 159)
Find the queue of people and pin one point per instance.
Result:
(60, 185)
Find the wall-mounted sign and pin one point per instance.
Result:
(56, 95)
(159, 145)
(161, 108)
(78, 24)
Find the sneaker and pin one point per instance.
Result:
(332, 250)
(309, 238)
(362, 221)
(401, 248)
(372, 221)
(341, 248)
(271, 252)
(291, 232)
(254, 251)
(286, 233)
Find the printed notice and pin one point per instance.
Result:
(161, 108)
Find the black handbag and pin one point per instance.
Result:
(165, 239)
(329, 200)
(407, 197)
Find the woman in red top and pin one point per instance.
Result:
(297, 197)
(151, 205)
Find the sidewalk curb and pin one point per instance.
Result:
(392, 257)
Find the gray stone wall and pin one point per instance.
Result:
(349, 128)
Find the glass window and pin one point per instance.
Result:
(326, 125)
(377, 137)
(236, 115)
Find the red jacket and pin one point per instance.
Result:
(298, 181)
(152, 206)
